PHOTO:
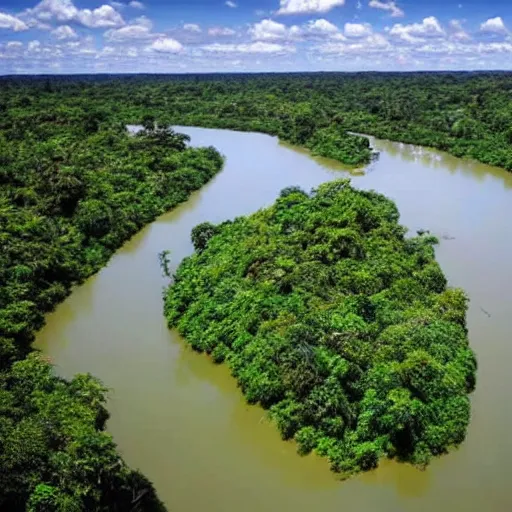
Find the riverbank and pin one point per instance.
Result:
(68, 203)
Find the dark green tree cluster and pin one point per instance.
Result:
(74, 185)
(336, 322)
(338, 144)
(55, 454)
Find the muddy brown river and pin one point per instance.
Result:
(183, 422)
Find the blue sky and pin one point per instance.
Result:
(178, 36)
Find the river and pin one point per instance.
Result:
(182, 420)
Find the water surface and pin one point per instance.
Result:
(182, 420)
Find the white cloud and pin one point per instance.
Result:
(65, 10)
(34, 46)
(12, 23)
(457, 31)
(192, 27)
(416, 32)
(322, 26)
(32, 22)
(140, 28)
(308, 6)
(494, 26)
(357, 30)
(257, 47)
(64, 32)
(495, 48)
(136, 5)
(221, 31)
(104, 16)
(62, 10)
(393, 9)
(374, 43)
(106, 51)
(269, 30)
(231, 4)
(14, 45)
(166, 45)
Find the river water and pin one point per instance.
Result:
(182, 420)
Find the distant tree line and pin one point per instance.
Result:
(466, 114)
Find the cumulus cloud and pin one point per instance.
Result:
(221, 32)
(457, 31)
(104, 16)
(12, 23)
(322, 26)
(494, 26)
(257, 47)
(34, 46)
(269, 30)
(140, 28)
(137, 5)
(166, 45)
(231, 4)
(268, 42)
(64, 32)
(65, 10)
(416, 32)
(393, 9)
(357, 30)
(308, 6)
(495, 48)
(192, 27)
(62, 10)
(373, 43)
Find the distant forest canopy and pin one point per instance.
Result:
(468, 114)
(74, 185)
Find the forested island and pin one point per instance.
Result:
(333, 320)
(376, 329)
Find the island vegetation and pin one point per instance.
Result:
(336, 322)
(73, 187)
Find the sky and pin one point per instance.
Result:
(185, 36)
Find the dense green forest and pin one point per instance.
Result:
(74, 185)
(333, 320)
(467, 114)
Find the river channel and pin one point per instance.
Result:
(182, 421)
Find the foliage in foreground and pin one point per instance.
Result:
(336, 322)
(73, 187)
(56, 455)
